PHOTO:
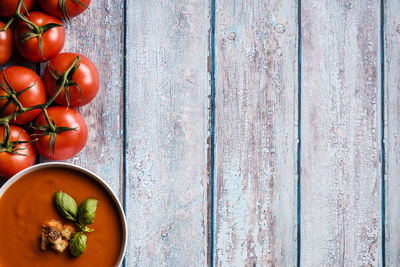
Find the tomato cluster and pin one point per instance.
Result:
(37, 115)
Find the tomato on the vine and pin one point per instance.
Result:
(17, 153)
(41, 40)
(8, 7)
(82, 84)
(65, 137)
(65, 8)
(24, 85)
(6, 44)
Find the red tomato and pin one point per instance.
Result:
(52, 39)
(8, 7)
(19, 79)
(11, 163)
(64, 8)
(6, 44)
(67, 143)
(86, 76)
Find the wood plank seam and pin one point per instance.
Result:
(383, 135)
(298, 156)
(211, 148)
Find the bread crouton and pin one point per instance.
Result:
(56, 235)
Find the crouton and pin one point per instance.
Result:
(60, 245)
(56, 235)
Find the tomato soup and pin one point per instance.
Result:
(28, 203)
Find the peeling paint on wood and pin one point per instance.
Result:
(392, 131)
(256, 133)
(341, 134)
(167, 122)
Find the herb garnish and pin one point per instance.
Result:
(82, 217)
(66, 206)
(77, 244)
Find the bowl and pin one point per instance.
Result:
(87, 173)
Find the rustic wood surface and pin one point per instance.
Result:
(256, 134)
(167, 126)
(392, 130)
(341, 134)
(247, 133)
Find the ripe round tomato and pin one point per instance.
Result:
(8, 7)
(19, 79)
(52, 39)
(6, 44)
(10, 162)
(67, 143)
(64, 8)
(86, 76)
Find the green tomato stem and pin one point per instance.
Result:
(63, 82)
(7, 25)
(22, 17)
(52, 126)
(7, 131)
(15, 99)
(18, 14)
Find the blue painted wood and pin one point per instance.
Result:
(391, 29)
(341, 134)
(167, 125)
(256, 133)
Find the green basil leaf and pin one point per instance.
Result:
(77, 244)
(66, 205)
(87, 211)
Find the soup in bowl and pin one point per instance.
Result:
(28, 203)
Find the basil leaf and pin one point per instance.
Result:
(77, 244)
(66, 205)
(87, 211)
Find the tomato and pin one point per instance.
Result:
(52, 39)
(17, 156)
(86, 76)
(6, 44)
(8, 7)
(65, 8)
(67, 142)
(19, 79)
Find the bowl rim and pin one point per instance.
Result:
(88, 173)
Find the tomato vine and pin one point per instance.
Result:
(50, 129)
(35, 31)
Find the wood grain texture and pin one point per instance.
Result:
(392, 130)
(98, 34)
(167, 125)
(256, 133)
(341, 134)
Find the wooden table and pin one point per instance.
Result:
(248, 132)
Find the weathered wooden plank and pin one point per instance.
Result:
(256, 133)
(341, 134)
(167, 125)
(98, 34)
(392, 130)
